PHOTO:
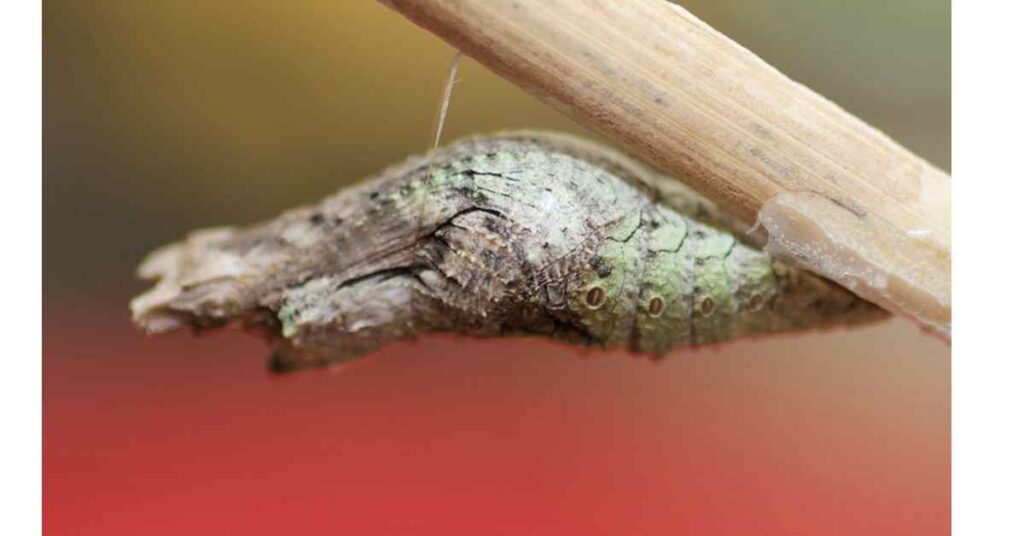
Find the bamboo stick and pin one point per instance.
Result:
(830, 191)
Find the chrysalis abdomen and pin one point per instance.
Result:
(510, 234)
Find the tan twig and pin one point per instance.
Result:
(834, 193)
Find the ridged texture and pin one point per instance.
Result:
(519, 233)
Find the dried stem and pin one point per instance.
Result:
(834, 194)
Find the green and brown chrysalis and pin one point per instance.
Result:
(512, 234)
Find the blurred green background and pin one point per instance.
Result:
(162, 116)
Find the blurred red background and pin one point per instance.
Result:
(444, 436)
(164, 116)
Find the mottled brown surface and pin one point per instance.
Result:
(520, 233)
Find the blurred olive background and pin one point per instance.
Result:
(164, 116)
(160, 116)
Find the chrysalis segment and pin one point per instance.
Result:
(512, 234)
(713, 307)
(603, 295)
(754, 288)
(664, 312)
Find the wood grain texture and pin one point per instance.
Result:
(837, 195)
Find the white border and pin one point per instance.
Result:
(988, 353)
(21, 378)
(988, 474)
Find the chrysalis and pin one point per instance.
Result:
(520, 233)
